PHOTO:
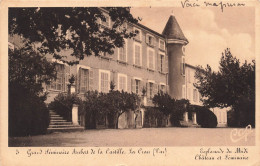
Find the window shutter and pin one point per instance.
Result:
(67, 74)
(166, 64)
(141, 85)
(146, 88)
(79, 79)
(133, 85)
(147, 39)
(91, 79)
(155, 89)
(158, 62)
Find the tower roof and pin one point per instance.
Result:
(172, 30)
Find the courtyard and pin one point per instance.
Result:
(141, 137)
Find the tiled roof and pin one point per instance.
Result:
(172, 30)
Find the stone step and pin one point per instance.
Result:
(65, 129)
(56, 118)
(54, 115)
(60, 123)
(63, 126)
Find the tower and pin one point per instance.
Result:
(175, 42)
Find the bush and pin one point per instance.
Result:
(28, 114)
(205, 117)
(63, 103)
(153, 118)
(180, 106)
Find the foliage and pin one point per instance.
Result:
(116, 103)
(27, 72)
(76, 28)
(91, 108)
(163, 102)
(232, 84)
(27, 113)
(63, 104)
(153, 118)
(180, 106)
(205, 117)
(169, 106)
(112, 105)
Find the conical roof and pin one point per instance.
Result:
(172, 30)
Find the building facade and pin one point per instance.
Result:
(192, 94)
(150, 61)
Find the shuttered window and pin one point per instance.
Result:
(161, 44)
(183, 92)
(150, 89)
(59, 82)
(104, 81)
(137, 55)
(151, 59)
(122, 53)
(84, 80)
(122, 83)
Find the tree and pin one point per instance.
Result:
(169, 106)
(27, 72)
(116, 103)
(164, 103)
(231, 86)
(77, 28)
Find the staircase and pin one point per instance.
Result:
(58, 124)
(189, 124)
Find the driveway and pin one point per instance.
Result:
(141, 137)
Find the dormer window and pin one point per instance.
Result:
(161, 44)
(150, 40)
(138, 36)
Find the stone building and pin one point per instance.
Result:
(150, 61)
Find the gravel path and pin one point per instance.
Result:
(137, 137)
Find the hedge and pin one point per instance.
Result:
(63, 103)
(28, 114)
(205, 117)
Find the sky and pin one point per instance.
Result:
(208, 30)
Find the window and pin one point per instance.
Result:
(189, 75)
(138, 36)
(122, 82)
(183, 92)
(104, 81)
(163, 88)
(137, 86)
(122, 53)
(161, 44)
(189, 93)
(58, 84)
(183, 65)
(84, 80)
(150, 40)
(137, 54)
(195, 95)
(161, 64)
(151, 64)
(150, 90)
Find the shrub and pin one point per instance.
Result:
(205, 117)
(63, 103)
(153, 118)
(180, 106)
(28, 114)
